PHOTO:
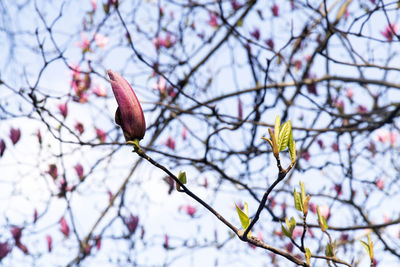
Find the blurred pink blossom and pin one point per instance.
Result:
(99, 90)
(321, 144)
(2, 147)
(170, 143)
(64, 188)
(213, 20)
(338, 189)
(384, 136)
(205, 184)
(240, 109)
(63, 108)
(15, 135)
(49, 241)
(361, 109)
(160, 85)
(79, 170)
(390, 30)
(297, 64)
(297, 232)
(379, 183)
(94, 4)
(4, 250)
(312, 87)
(305, 155)
(190, 210)
(235, 5)
(349, 93)
(166, 42)
(386, 218)
(79, 127)
(313, 208)
(335, 147)
(170, 182)
(275, 10)
(80, 83)
(132, 223)
(101, 135)
(23, 248)
(256, 34)
(16, 233)
(325, 211)
(35, 215)
(64, 228)
(289, 247)
(97, 240)
(39, 136)
(53, 172)
(184, 133)
(270, 43)
(339, 103)
(166, 243)
(84, 44)
(101, 40)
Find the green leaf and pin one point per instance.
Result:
(284, 134)
(305, 205)
(292, 147)
(292, 224)
(322, 221)
(329, 250)
(370, 248)
(285, 231)
(243, 216)
(308, 256)
(365, 245)
(303, 193)
(182, 177)
(277, 125)
(246, 209)
(297, 201)
(288, 225)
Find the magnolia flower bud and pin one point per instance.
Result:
(129, 114)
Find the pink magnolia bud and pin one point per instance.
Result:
(99, 90)
(390, 31)
(2, 147)
(64, 227)
(256, 34)
(79, 127)
(190, 210)
(35, 215)
(53, 172)
(131, 223)
(16, 232)
(23, 248)
(129, 114)
(63, 108)
(49, 241)
(39, 136)
(275, 10)
(15, 135)
(166, 243)
(97, 241)
(79, 170)
(240, 109)
(4, 249)
(101, 135)
(170, 142)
